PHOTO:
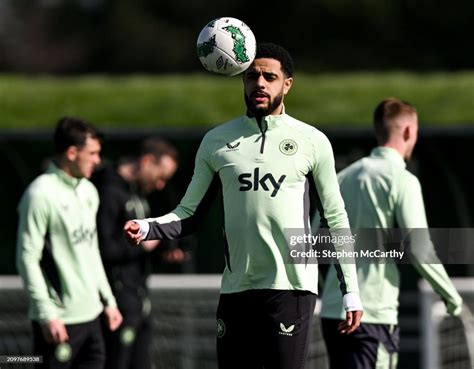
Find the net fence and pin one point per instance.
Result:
(448, 342)
(184, 327)
(183, 317)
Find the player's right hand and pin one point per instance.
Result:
(54, 331)
(114, 317)
(131, 230)
(351, 323)
(454, 309)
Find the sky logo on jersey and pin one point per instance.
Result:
(82, 235)
(256, 182)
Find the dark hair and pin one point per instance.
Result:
(385, 114)
(274, 51)
(158, 147)
(72, 131)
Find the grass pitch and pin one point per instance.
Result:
(205, 100)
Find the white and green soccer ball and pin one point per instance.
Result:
(226, 46)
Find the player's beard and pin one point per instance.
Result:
(259, 112)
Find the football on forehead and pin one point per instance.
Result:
(226, 46)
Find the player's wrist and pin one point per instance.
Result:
(351, 302)
(144, 228)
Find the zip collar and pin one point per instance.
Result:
(268, 122)
(62, 175)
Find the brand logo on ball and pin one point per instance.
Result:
(63, 352)
(220, 328)
(288, 147)
(220, 63)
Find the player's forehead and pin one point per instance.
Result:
(91, 144)
(265, 65)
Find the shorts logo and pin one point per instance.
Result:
(127, 336)
(286, 331)
(288, 147)
(220, 328)
(63, 352)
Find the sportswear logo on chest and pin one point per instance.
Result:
(232, 147)
(249, 183)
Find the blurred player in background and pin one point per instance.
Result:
(123, 189)
(263, 163)
(58, 254)
(379, 192)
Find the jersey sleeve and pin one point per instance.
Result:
(32, 229)
(411, 217)
(200, 193)
(332, 211)
(103, 283)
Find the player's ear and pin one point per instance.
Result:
(407, 133)
(287, 85)
(71, 153)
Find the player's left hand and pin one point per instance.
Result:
(114, 317)
(351, 323)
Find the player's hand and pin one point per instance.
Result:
(54, 331)
(175, 256)
(454, 309)
(131, 230)
(351, 323)
(113, 317)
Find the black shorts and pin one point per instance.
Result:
(370, 346)
(264, 328)
(84, 349)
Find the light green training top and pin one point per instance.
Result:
(57, 249)
(379, 192)
(264, 172)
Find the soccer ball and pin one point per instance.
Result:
(226, 46)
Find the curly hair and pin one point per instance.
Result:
(277, 52)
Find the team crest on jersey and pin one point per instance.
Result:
(288, 146)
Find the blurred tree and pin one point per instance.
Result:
(157, 36)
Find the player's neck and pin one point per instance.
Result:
(397, 146)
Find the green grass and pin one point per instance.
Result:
(205, 100)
